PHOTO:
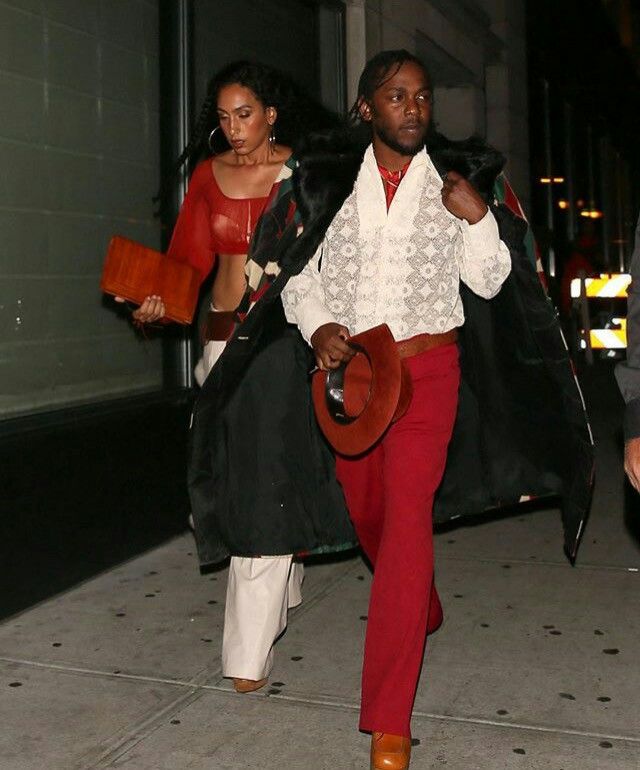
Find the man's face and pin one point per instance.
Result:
(400, 110)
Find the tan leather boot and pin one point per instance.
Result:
(390, 752)
(248, 685)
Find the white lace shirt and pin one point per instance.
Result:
(400, 267)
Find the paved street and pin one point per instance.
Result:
(536, 665)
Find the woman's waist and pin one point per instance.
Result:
(230, 283)
(231, 263)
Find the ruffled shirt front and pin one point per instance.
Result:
(401, 267)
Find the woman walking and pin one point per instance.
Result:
(261, 478)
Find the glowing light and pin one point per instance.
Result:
(545, 180)
(562, 204)
(591, 214)
(558, 179)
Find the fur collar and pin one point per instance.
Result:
(328, 165)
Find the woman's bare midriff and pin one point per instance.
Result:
(230, 282)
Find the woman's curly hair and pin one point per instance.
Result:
(298, 114)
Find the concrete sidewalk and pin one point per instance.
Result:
(536, 665)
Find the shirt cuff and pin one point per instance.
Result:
(632, 420)
(483, 237)
(311, 315)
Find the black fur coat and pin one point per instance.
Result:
(521, 428)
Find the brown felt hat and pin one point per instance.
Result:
(357, 402)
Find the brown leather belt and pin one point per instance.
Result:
(422, 342)
(218, 325)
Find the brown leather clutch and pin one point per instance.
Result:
(134, 271)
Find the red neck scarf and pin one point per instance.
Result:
(391, 180)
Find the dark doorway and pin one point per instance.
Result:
(302, 38)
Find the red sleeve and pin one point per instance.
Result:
(191, 240)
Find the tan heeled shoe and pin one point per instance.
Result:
(390, 752)
(248, 685)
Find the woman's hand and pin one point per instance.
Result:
(329, 343)
(152, 309)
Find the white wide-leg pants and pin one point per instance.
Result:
(260, 590)
(259, 593)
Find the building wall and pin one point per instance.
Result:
(79, 153)
(79, 159)
(219, 39)
(476, 52)
(507, 93)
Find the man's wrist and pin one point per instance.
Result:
(478, 216)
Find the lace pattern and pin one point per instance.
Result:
(403, 267)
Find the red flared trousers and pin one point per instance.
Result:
(389, 493)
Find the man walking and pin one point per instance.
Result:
(395, 253)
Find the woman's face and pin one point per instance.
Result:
(246, 123)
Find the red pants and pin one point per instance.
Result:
(389, 493)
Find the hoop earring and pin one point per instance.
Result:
(272, 141)
(210, 140)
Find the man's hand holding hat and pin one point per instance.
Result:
(329, 343)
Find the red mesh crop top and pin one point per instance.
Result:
(210, 223)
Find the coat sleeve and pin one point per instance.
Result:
(628, 372)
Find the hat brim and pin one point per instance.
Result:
(352, 434)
